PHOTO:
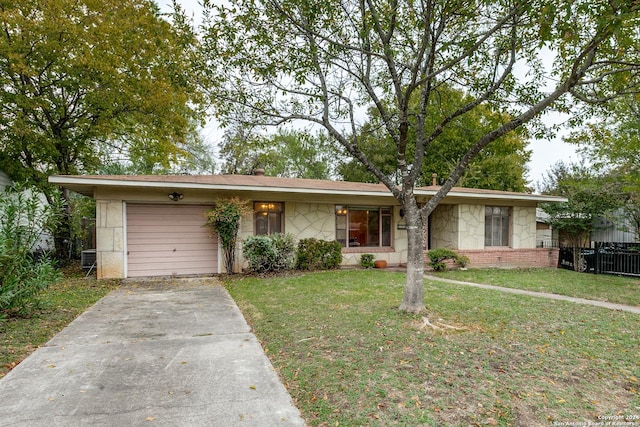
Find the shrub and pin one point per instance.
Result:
(314, 254)
(366, 261)
(438, 256)
(275, 252)
(23, 274)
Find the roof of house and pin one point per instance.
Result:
(85, 184)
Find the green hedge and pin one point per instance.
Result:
(265, 254)
(314, 254)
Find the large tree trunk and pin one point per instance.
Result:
(413, 299)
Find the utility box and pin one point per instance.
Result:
(88, 259)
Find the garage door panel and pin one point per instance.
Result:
(140, 236)
(152, 264)
(160, 246)
(162, 255)
(169, 240)
(152, 221)
(163, 270)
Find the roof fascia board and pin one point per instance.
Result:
(62, 180)
(200, 186)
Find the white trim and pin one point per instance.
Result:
(125, 224)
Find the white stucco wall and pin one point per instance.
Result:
(45, 241)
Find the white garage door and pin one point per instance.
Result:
(169, 240)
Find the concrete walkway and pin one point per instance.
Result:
(603, 304)
(163, 353)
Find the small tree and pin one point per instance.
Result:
(591, 196)
(224, 219)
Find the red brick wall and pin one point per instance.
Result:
(510, 258)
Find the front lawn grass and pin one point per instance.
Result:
(601, 287)
(59, 305)
(349, 357)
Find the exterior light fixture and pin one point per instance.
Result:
(175, 196)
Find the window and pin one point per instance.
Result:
(363, 226)
(268, 217)
(496, 226)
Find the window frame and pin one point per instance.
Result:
(343, 224)
(504, 223)
(265, 208)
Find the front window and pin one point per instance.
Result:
(363, 226)
(496, 226)
(268, 217)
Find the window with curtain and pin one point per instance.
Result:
(496, 225)
(268, 217)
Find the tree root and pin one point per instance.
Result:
(439, 326)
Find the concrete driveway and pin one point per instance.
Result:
(154, 353)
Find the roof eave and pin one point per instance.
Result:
(83, 185)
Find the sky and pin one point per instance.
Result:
(544, 153)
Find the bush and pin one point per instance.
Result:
(314, 254)
(23, 274)
(438, 256)
(366, 261)
(275, 252)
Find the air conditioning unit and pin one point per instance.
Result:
(88, 259)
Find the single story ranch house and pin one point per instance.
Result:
(153, 225)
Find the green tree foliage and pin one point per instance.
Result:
(326, 61)
(194, 157)
(75, 74)
(590, 196)
(224, 220)
(500, 166)
(611, 142)
(24, 269)
(287, 153)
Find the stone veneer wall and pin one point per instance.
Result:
(444, 227)
(471, 228)
(307, 220)
(110, 239)
(523, 225)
